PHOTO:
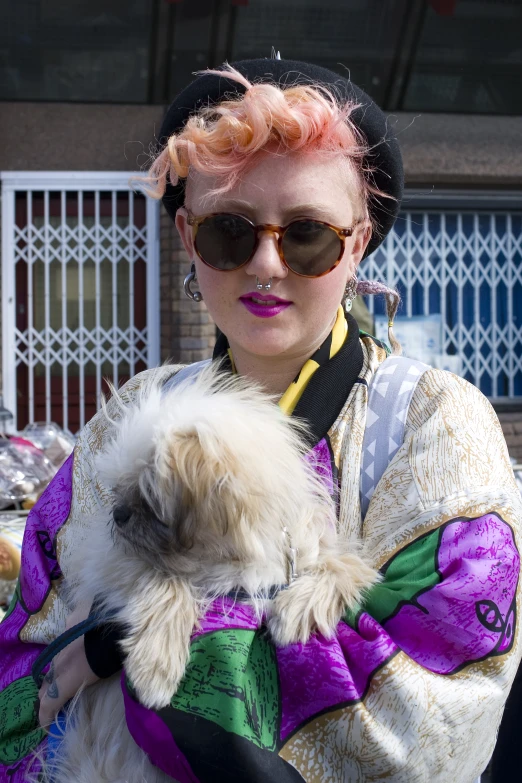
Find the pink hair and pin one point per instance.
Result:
(227, 139)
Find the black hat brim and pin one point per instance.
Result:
(384, 158)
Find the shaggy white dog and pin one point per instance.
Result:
(212, 493)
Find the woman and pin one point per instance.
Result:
(281, 177)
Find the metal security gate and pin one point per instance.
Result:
(80, 291)
(465, 264)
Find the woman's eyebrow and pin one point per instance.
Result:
(233, 205)
(313, 210)
(306, 210)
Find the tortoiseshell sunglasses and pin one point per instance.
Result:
(309, 248)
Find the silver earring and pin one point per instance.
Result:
(350, 293)
(260, 286)
(196, 296)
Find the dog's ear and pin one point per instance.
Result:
(130, 439)
(201, 479)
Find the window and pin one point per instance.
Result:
(356, 37)
(464, 264)
(75, 50)
(409, 55)
(468, 59)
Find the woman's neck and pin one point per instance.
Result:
(274, 373)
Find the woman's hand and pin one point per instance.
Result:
(69, 671)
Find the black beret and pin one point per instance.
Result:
(384, 157)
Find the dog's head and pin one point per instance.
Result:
(208, 471)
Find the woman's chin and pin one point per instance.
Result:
(265, 348)
(264, 339)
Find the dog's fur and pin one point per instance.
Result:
(208, 474)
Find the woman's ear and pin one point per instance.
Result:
(185, 231)
(362, 236)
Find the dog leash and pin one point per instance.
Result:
(93, 621)
(239, 594)
(60, 643)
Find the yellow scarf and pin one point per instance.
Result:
(326, 351)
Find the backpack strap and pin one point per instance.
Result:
(188, 371)
(390, 393)
(61, 642)
(389, 396)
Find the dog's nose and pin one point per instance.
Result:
(121, 515)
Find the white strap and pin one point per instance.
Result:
(390, 393)
(389, 397)
(188, 371)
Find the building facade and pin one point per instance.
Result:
(92, 274)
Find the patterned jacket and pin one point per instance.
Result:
(412, 687)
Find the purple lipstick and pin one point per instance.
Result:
(264, 305)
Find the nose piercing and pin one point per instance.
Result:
(260, 286)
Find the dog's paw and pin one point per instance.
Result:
(157, 646)
(291, 619)
(155, 670)
(155, 691)
(316, 601)
(154, 683)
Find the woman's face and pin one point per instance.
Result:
(279, 189)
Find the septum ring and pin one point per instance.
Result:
(260, 286)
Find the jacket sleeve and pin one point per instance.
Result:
(102, 649)
(35, 616)
(432, 653)
(56, 527)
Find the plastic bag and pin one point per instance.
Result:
(12, 526)
(24, 471)
(51, 439)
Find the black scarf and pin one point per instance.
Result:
(329, 386)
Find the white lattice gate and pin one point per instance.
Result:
(80, 291)
(465, 264)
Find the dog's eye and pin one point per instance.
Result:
(121, 515)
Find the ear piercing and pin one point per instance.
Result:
(350, 293)
(196, 296)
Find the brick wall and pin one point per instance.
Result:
(511, 423)
(1, 318)
(187, 330)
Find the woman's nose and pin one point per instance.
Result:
(265, 262)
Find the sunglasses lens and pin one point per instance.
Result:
(225, 241)
(310, 248)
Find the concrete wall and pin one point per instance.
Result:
(511, 423)
(76, 136)
(461, 150)
(438, 149)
